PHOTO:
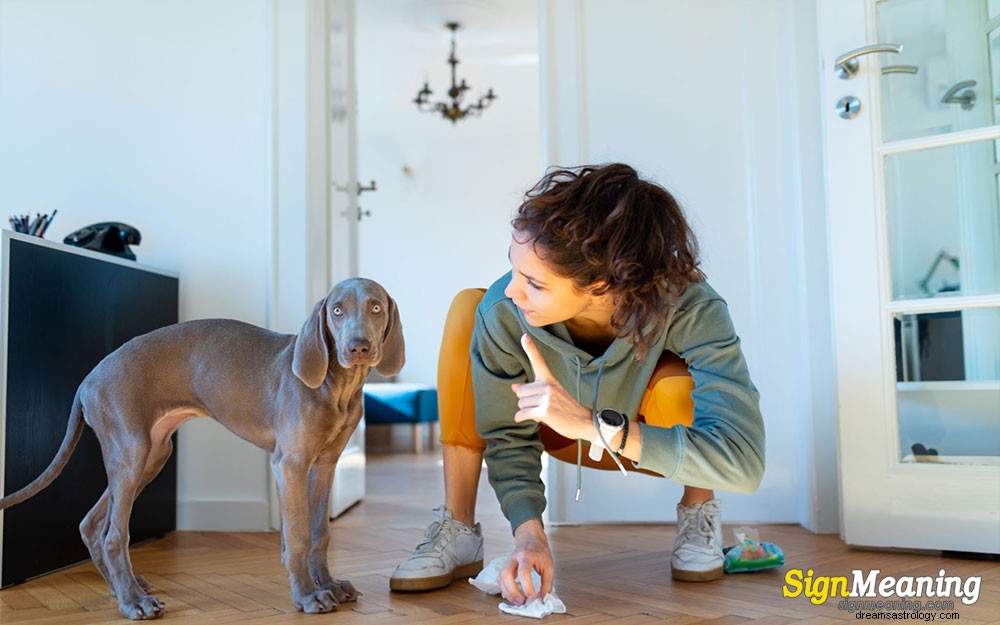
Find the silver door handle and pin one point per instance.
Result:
(900, 69)
(961, 93)
(846, 65)
(361, 188)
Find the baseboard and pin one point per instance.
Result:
(222, 516)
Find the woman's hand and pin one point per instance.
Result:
(531, 551)
(546, 401)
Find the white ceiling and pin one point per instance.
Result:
(495, 31)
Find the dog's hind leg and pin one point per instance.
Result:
(93, 530)
(126, 461)
(94, 527)
(158, 457)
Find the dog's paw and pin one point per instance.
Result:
(317, 602)
(144, 608)
(344, 591)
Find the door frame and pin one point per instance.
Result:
(313, 242)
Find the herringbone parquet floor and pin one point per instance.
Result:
(616, 574)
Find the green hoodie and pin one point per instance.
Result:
(723, 449)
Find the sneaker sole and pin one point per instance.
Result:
(696, 576)
(439, 581)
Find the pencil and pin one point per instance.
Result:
(48, 221)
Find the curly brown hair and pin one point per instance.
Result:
(610, 231)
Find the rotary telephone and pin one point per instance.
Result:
(109, 237)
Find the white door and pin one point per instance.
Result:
(341, 115)
(342, 119)
(912, 179)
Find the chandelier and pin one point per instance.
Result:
(452, 110)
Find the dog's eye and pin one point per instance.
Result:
(338, 311)
(377, 308)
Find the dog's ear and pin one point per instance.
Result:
(311, 358)
(393, 351)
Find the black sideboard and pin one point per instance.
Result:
(63, 309)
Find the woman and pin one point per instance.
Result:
(604, 290)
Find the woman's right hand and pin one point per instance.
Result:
(531, 551)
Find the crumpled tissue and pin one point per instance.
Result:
(487, 582)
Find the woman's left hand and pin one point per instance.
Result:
(546, 401)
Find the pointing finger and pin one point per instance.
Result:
(538, 365)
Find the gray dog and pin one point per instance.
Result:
(296, 396)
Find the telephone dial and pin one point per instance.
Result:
(108, 237)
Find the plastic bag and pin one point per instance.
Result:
(749, 554)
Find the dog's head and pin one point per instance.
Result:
(358, 325)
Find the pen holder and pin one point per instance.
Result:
(35, 227)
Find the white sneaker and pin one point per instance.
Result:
(697, 555)
(450, 550)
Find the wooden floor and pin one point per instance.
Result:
(614, 574)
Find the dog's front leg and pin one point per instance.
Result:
(291, 471)
(320, 484)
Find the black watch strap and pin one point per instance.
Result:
(621, 447)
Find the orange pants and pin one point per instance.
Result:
(667, 401)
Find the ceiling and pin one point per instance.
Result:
(489, 28)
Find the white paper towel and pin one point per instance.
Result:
(487, 582)
(538, 608)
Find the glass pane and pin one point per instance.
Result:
(944, 229)
(948, 386)
(941, 80)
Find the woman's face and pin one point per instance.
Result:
(543, 296)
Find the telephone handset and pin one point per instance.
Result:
(109, 237)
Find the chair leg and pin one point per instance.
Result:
(416, 438)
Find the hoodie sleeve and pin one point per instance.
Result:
(513, 450)
(724, 447)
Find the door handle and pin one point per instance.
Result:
(361, 188)
(846, 65)
(961, 93)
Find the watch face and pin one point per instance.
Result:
(612, 417)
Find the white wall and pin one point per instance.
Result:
(447, 225)
(712, 105)
(159, 114)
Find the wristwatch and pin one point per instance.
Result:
(610, 422)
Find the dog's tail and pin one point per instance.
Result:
(73, 431)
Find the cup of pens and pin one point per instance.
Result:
(35, 227)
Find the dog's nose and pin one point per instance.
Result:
(360, 346)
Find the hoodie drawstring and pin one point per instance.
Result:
(579, 443)
(593, 414)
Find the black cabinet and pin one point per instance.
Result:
(63, 309)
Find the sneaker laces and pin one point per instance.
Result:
(702, 526)
(431, 545)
